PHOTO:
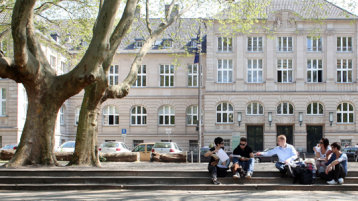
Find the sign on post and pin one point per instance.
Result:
(124, 131)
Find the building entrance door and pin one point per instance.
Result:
(287, 131)
(314, 134)
(255, 137)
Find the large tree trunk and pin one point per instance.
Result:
(37, 140)
(86, 151)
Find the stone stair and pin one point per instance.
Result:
(80, 179)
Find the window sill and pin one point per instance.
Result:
(284, 114)
(344, 124)
(223, 124)
(162, 125)
(315, 115)
(138, 125)
(221, 52)
(344, 51)
(258, 83)
(345, 83)
(254, 115)
(139, 86)
(253, 52)
(315, 82)
(285, 83)
(224, 82)
(106, 125)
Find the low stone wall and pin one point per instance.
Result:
(176, 158)
(67, 156)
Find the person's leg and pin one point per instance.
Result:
(212, 172)
(280, 166)
(338, 172)
(251, 163)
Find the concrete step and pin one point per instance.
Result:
(61, 187)
(117, 173)
(130, 180)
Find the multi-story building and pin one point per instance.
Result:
(299, 78)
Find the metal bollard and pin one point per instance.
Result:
(192, 156)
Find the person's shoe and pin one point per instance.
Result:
(340, 180)
(216, 182)
(248, 175)
(332, 182)
(236, 175)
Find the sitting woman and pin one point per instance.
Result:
(322, 154)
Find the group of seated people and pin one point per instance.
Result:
(331, 163)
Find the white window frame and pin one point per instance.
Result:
(344, 70)
(53, 62)
(138, 113)
(315, 109)
(229, 113)
(192, 115)
(138, 44)
(225, 44)
(225, 71)
(255, 44)
(347, 113)
(251, 107)
(62, 117)
(314, 69)
(63, 67)
(254, 71)
(77, 115)
(285, 44)
(285, 66)
(113, 75)
(141, 76)
(166, 112)
(2, 102)
(314, 44)
(282, 107)
(193, 72)
(344, 44)
(110, 111)
(166, 75)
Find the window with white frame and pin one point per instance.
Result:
(53, 61)
(224, 113)
(284, 71)
(285, 108)
(344, 44)
(138, 44)
(346, 142)
(62, 118)
(166, 115)
(254, 44)
(314, 70)
(141, 76)
(77, 115)
(284, 44)
(113, 75)
(2, 101)
(166, 75)
(192, 75)
(224, 44)
(192, 115)
(254, 108)
(314, 44)
(315, 108)
(254, 71)
(138, 115)
(63, 67)
(345, 113)
(225, 71)
(110, 115)
(344, 70)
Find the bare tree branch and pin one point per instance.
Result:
(4, 33)
(147, 17)
(170, 10)
(20, 18)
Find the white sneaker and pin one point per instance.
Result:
(332, 182)
(340, 180)
(248, 175)
(236, 176)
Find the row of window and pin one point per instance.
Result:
(224, 113)
(285, 71)
(285, 44)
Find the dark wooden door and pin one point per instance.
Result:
(314, 134)
(255, 137)
(287, 131)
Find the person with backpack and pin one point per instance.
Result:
(337, 166)
(286, 155)
(216, 167)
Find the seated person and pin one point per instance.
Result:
(216, 167)
(245, 162)
(322, 154)
(337, 166)
(286, 155)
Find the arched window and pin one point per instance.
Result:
(138, 115)
(224, 113)
(254, 108)
(192, 115)
(315, 108)
(77, 115)
(166, 115)
(285, 108)
(110, 115)
(345, 113)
